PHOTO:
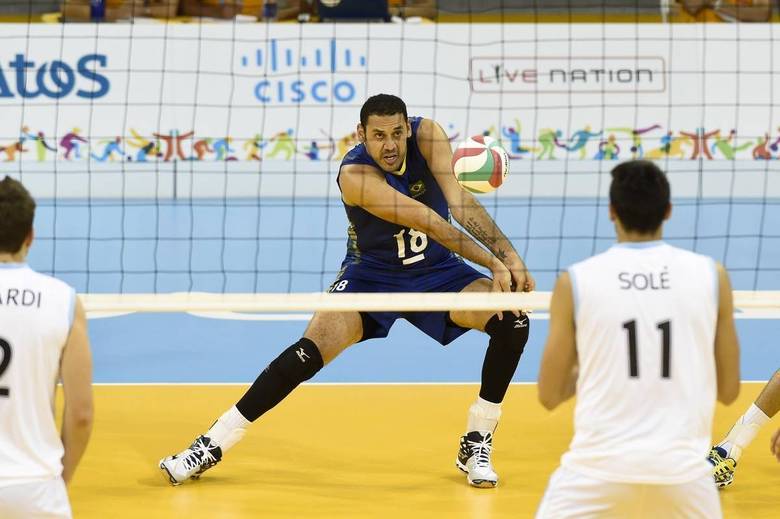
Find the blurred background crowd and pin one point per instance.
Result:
(680, 11)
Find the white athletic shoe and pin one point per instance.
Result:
(192, 461)
(723, 467)
(474, 459)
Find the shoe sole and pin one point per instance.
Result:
(167, 474)
(478, 483)
(723, 484)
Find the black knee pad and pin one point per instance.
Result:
(299, 362)
(509, 331)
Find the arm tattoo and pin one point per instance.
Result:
(476, 230)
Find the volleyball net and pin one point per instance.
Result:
(197, 161)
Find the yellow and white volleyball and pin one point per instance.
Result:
(330, 3)
(480, 164)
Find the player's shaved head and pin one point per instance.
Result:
(17, 211)
(639, 195)
(382, 104)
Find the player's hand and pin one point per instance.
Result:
(502, 277)
(774, 445)
(502, 282)
(522, 280)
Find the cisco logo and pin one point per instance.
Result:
(55, 79)
(304, 75)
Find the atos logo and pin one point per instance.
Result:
(304, 75)
(55, 80)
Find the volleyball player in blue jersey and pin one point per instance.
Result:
(398, 191)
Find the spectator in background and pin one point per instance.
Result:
(353, 10)
(413, 8)
(305, 10)
(285, 9)
(281, 10)
(723, 10)
(302, 10)
(113, 10)
(210, 8)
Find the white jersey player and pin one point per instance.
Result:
(43, 338)
(644, 333)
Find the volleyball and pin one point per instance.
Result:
(480, 164)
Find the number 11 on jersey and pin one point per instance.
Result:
(666, 348)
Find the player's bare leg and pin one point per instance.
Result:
(725, 455)
(327, 335)
(508, 335)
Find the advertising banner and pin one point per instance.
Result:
(286, 97)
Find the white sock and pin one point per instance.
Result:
(744, 431)
(754, 415)
(228, 429)
(483, 416)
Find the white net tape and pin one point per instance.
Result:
(761, 301)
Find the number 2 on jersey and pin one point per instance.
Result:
(418, 241)
(666, 331)
(5, 348)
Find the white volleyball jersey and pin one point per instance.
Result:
(645, 318)
(36, 314)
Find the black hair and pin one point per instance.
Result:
(17, 210)
(382, 104)
(639, 193)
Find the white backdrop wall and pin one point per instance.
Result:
(284, 99)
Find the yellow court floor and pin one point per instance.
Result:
(334, 451)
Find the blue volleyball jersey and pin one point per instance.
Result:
(376, 242)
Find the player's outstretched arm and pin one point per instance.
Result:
(366, 187)
(465, 208)
(76, 369)
(558, 372)
(726, 342)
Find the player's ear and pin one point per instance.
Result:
(668, 212)
(615, 219)
(29, 239)
(361, 133)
